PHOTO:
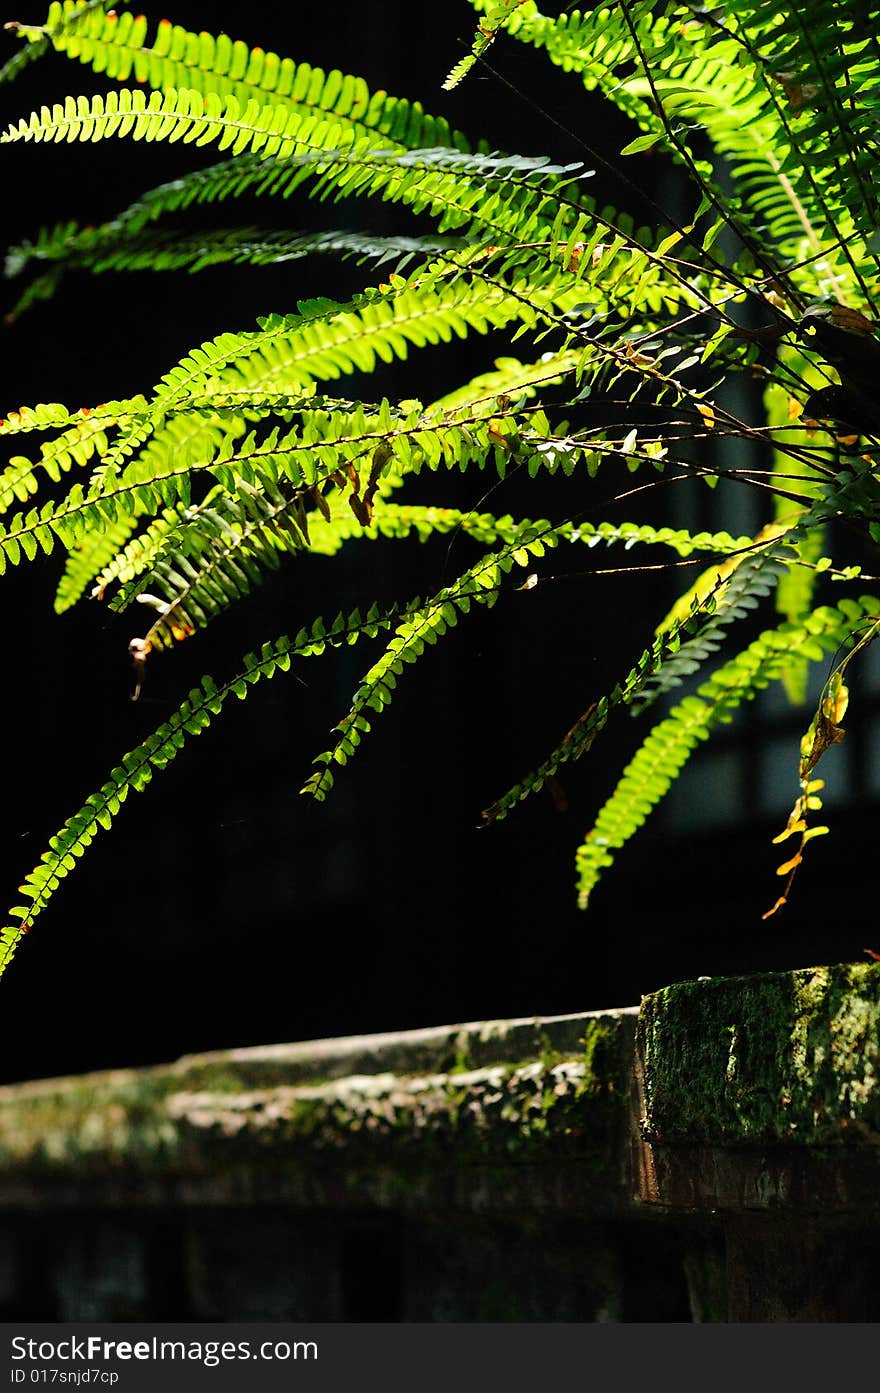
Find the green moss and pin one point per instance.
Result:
(461, 1059)
(777, 1057)
(191, 1118)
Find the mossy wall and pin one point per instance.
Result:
(713, 1155)
(789, 1057)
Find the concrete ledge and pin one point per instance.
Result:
(717, 1151)
(732, 1094)
(790, 1057)
(762, 1093)
(445, 1116)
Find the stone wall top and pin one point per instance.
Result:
(444, 1116)
(715, 1096)
(781, 1057)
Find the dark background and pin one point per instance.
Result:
(224, 909)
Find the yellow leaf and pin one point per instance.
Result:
(798, 826)
(789, 865)
(815, 832)
(836, 699)
(778, 905)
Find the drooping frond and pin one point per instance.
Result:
(237, 459)
(213, 556)
(191, 567)
(580, 738)
(426, 623)
(797, 584)
(448, 183)
(661, 758)
(35, 45)
(751, 77)
(65, 250)
(253, 372)
(394, 519)
(183, 440)
(723, 595)
(533, 214)
(420, 629)
(136, 769)
(325, 444)
(86, 559)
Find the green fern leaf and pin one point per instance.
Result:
(136, 768)
(662, 756)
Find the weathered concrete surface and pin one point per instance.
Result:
(783, 1057)
(376, 1121)
(761, 1093)
(720, 1155)
(756, 1102)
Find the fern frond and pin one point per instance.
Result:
(84, 437)
(401, 520)
(664, 753)
(202, 424)
(190, 494)
(536, 206)
(191, 566)
(169, 251)
(216, 553)
(721, 597)
(117, 45)
(795, 594)
(252, 370)
(138, 553)
(498, 15)
(177, 115)
(136, 769)
(85, 561)
(37, 38)
(36, 44)
(447, 183)
(251, 174)
(513, 380)
(97, 557)
(143, 489)
(323, 445)
(824, 59)
(423, 625)
(325, 341)
(583, 733)
(710, 72)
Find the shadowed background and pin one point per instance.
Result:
(226, 910)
